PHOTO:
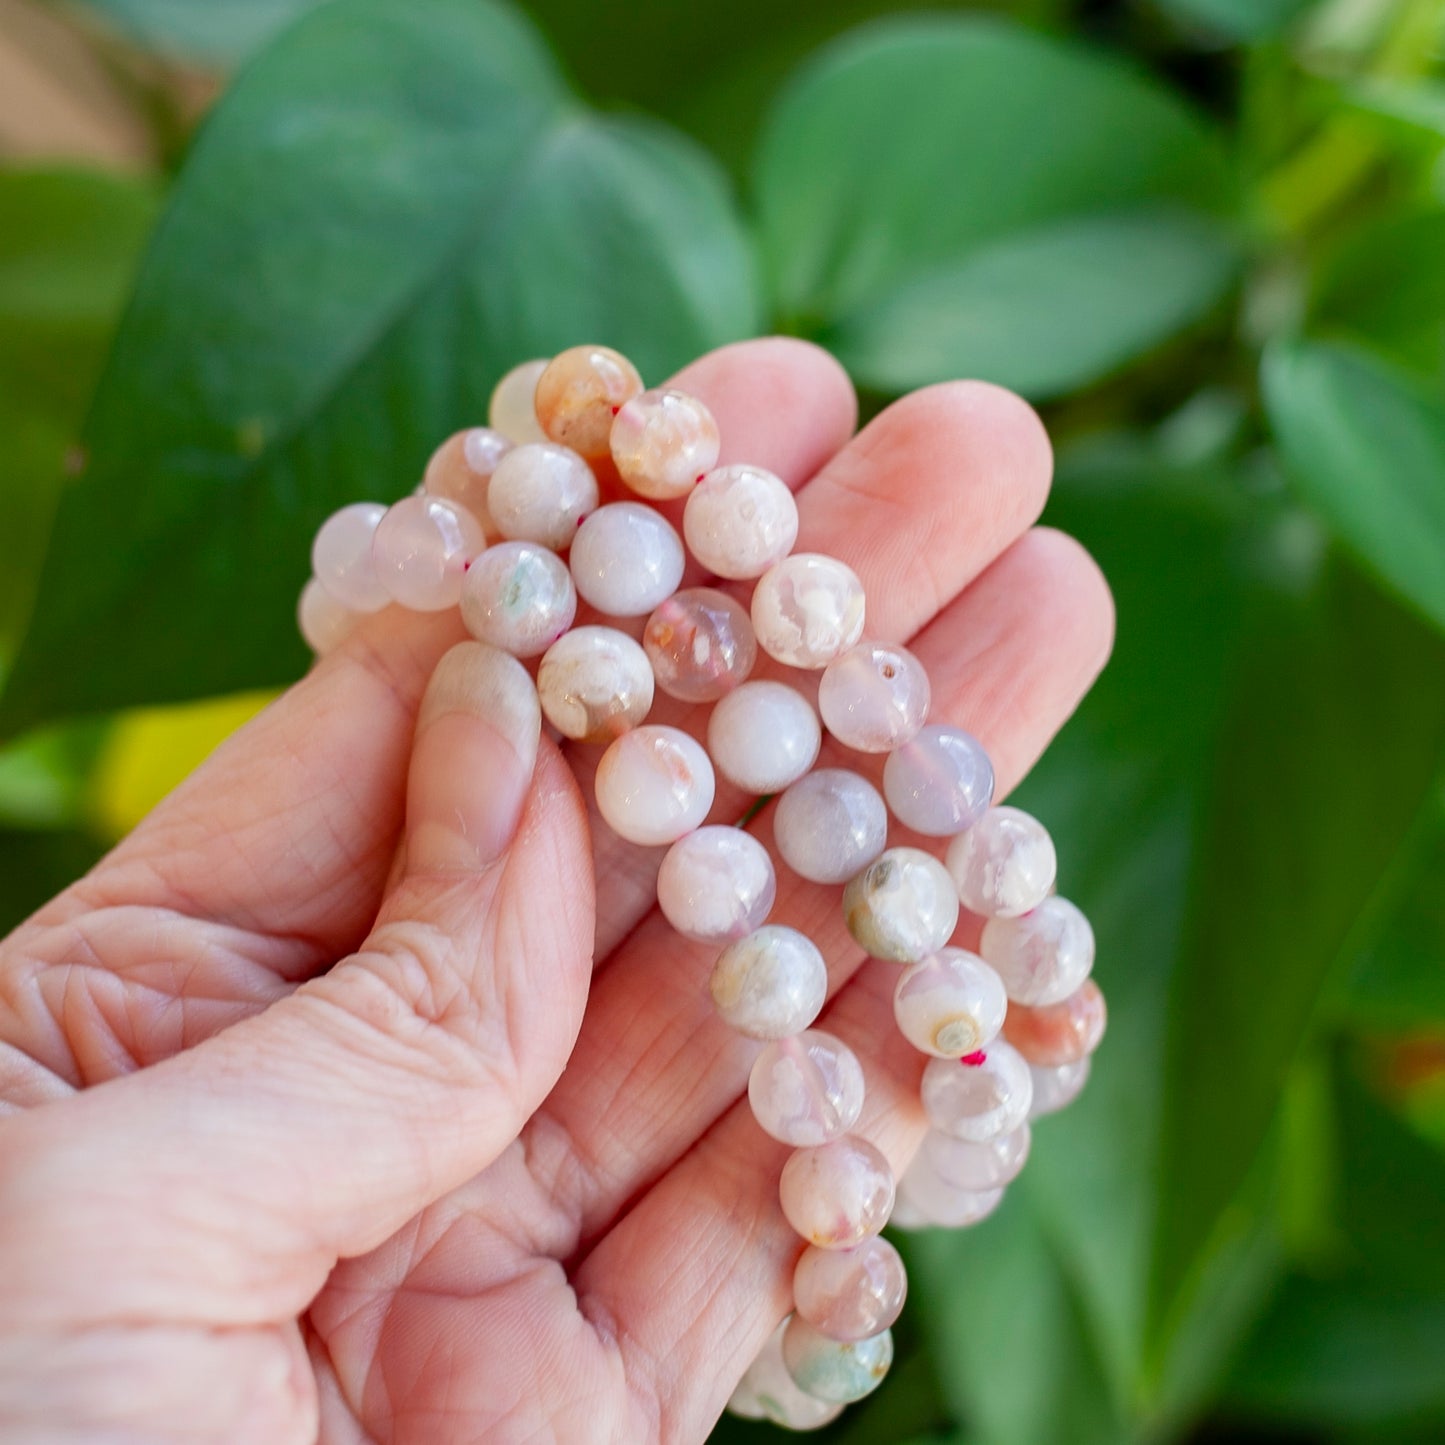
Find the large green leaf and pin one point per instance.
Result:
(390, 207)
(1365, 443)
(217, 31)
(1238, 19)
(1044, 311)
(925, 162)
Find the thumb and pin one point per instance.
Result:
(318, 1128)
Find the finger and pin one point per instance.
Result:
(918, 504)
(690, 1318)
(319, 1127)
(270, 861)
(654, 1066)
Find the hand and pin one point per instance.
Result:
(287, 1143)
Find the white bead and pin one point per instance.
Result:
(874, 697)
(807, 610)
(940, 782)
(978, 1099)
(511, 410)
(771, 984)
(595, 683)
(830, 824)
(764, 736)
(739, 521)
(807, 1088)
(421, 550)
(323, 621)
(540, 492)
(924, 1196)
(653, 785)
(838, 1370)
(950, 1005)
(767, 1392)
(716, 884)
(341, 557)
(1042, 957)
(979, 1167)
(519, 597)
(626, 559)
(1056, 1089)
(902, 906)
(1004, 865)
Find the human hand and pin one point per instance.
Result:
(249, 1192)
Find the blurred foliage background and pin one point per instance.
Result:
(256, 256)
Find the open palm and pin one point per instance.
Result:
(486, 1178)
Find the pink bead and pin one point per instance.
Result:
(626, 559)
(1043, 956)
(323, 621)
(926, 1199)
(836, 1194)
(764, 736)
(1057, 1088)
(768, 1392)
(806, 1089)
(578, 394)
(519, 597)
(716, 885)
(1059, 1033)
(739, 521)
(850, 1294)
(966, 1165)
(421, 550)
(830, 824)
(541, 493)
(1004, 865)
(874, 697)
(939, 782)
(460, 469)
(700, 643)
(807, 610)
(341, 557)
(653, 785)
(663, 442)
(979, 1096)
(950, 1004)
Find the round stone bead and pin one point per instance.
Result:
(663, 442)
(595, 683)
(767, 1392)
(771, 984)
(807, 610)
(700, 643)
(739, 521)
(1059, 1033)
(979, 1167)
(950, 1005)
(653, 785)
(807, 1088)
(979, 1097)
(323, 621)
(764, 736)
(512, 410)
(1043, 956)
(421, 550)
(626, 559)
(940, 782)
(874, 697)
(461, 468)
(540, 493)
(1056, 1089)
(519, 597)
(1004, 865)
(579, 393)
(716, 884)
(341, 557)
(837, 1370)
(924, 1198)
(902, 906)
(830, 824)
(836, 1194)
(850, 1294)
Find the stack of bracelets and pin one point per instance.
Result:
(1009, 1030)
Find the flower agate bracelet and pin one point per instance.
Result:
(1010, 1029)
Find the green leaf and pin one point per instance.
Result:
(402, 203)
(1335, 734)
(1046, 310)
(1416, 104)
(1238, 19)
(217, 31)
(1365, 444)
(919, 162)
(1386, 286)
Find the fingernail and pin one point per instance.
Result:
(476, 749)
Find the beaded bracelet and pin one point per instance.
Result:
(1010, 1030)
